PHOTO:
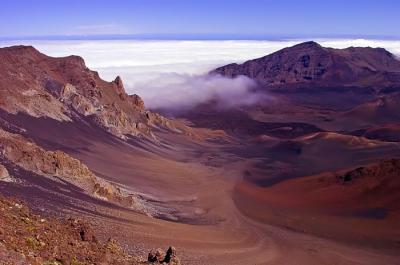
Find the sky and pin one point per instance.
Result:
(199, 19)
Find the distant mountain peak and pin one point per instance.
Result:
(20, 48)
(308, 44)
(309, 62)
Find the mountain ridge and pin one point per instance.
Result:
(64, 88)
(311, 64)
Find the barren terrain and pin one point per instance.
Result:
(306, 177)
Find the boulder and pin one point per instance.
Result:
(158, 256)
(171, 258)
(83, 231)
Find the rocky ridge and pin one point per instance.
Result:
(309, 62)
(65, 89)
(382, 170)
(58, 165)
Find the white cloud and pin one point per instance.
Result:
(170, 72)
(391, 45)
(182, 91)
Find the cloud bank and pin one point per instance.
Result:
(171, 74)
(182, 91)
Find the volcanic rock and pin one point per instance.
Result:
(83, 230)
(57, 164)
(159, 256)
(60, 88)
(309, 62)
(171, 258)
(137, 101)
(37, 241)
(156, 256)
(3, 173)
(120, 87)
(383, 169)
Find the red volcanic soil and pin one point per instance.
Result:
(354, 205)
(388, 132)
(380, 111)
(272, 160)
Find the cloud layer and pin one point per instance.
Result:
(171, 74)
(182, 91)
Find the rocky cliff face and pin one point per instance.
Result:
(65, 89)
(309, 62)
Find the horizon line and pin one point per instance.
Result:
(204, 37)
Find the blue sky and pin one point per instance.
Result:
(201, 18)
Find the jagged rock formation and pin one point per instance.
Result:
(309, 62)
(158, 256)
(64, 89)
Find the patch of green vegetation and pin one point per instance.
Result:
(75, 261)
(32, 242)
(30, 228)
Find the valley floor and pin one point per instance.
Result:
(193, 195)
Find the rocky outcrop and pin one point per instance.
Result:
(120, 87)
(136, 101)
(309, 62)
(31, 157)
(384, 169)
(159, 256)
(4, 175)
(59, 165)
(76, 101)
(62, 88)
